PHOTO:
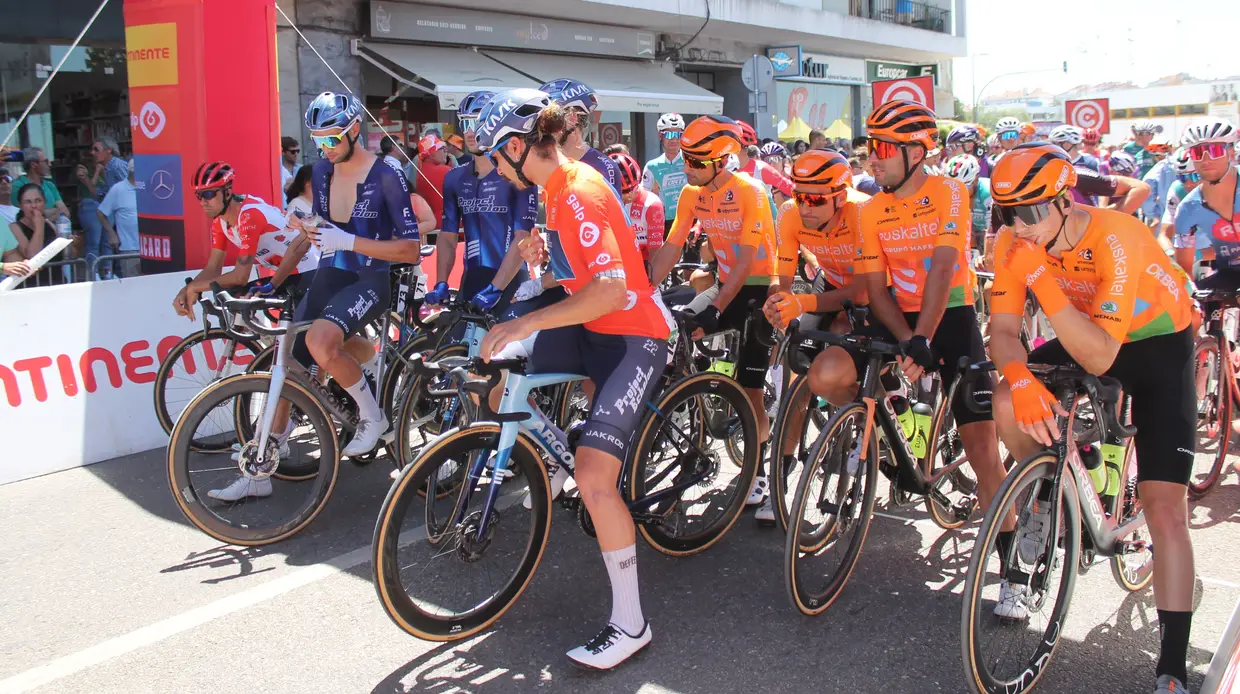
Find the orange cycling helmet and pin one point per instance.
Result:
(905, 122)
(1031, 173)
(711, 137)
(749, 136)
(819, 167)
(1028, 130)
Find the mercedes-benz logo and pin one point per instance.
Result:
(163, 185)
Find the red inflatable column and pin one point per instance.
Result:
(202, 86)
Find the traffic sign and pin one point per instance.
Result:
(919, 89)
(757, 73)
(1089, 113)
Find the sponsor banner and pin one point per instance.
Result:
(157, 179)
(878, 71)
(151, 54)
(1089, 113)
(78, 384)
(161, 243)
(155, 119)
(919, 89)
(786, 60)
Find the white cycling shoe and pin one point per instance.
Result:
(367, 436)
(1011, 605)
(241, 488)
(610, 647)
(758, 491)
(558, 479)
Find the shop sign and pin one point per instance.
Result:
(786, 60)
(878, 71)
(151, 54)
(834, 69)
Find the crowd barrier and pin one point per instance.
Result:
(77, 364)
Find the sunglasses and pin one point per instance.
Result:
(700, 163)
(671, 134)
(293, 151)
(1189, 177)
(206, 194)
(816, 199)
(468, 125)
(1207, 150)
(1029, 215)
(1009, 135)
(327, 141)
(881, 149)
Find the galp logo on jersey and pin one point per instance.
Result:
(589, 234)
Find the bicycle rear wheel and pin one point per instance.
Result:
(1133, 570)
(952, 498)
(1214, 413)
(190, 366)
(797, 403)
(831, 513)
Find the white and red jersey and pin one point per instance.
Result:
(768, 176)
(261, 232)
(645, 215)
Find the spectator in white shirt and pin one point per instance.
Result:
(297, 198)
(118, 213)
(8, 213)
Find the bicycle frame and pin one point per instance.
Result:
(1216, 328)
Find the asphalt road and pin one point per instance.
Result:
(105, 588)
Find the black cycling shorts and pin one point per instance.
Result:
(1158, 373)
(1223, 279)
(755, 357)
(625, 370)
(350, 300)
(957, 336)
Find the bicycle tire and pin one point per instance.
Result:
(945, 441)
(782, 493)
(1125, 506)
(264, 361)
(194, 507)
(1219, 407)
(823, 457)
(678, 393)
(408, 413)
(1038, 467)
(411, 486)
(246, 419)
(391, 386)
(166, 419)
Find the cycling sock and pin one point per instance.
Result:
(626, 607)
(789, 462)
(1004, 545)
(367, 408)
(1173, 653)
(763, 451)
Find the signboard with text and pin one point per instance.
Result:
(1089, 113)
(919, 89)
(831, 69)
(877, 71)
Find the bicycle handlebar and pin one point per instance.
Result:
(245, 308)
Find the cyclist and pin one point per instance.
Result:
(1159, 179)
(967, 139)
(735, 214)
(1090, 139)
(1069, 138)
(966, 169)
(1118, 306)
(492, 215)
(778, 185)
(1187, 180)
(377, 227)
(581, 101)
(776, 156)
(665, 174)
(612, 328)
(824, 219)
(1205, 219)
(1143, 132)
(642, 208)
(1007, 130)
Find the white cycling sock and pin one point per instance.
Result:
(372, 367)
(626, 607)
(367, 408)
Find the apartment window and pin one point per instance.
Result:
(1163, 111)
(1193, 110)
(1117, 113)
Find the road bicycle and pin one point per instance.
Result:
(1216, 364)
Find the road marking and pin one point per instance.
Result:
(1219, 582)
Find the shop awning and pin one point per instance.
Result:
(622, 85)
(448, 73)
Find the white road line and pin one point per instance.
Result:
(1219, 582)
(901, 519)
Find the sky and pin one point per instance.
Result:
(1137, 40)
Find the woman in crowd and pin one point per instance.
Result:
(33, 231)
(297, 196)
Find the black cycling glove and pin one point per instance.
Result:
(919, 350)
(708, 320)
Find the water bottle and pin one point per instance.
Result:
(920, 440)
(897, 395)
(1113, 457)
(64, 227)
(1092, 458)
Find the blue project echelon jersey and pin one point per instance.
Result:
(383, 212)
(603, 164)
(487, 211)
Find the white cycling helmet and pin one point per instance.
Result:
(1007, 124)
(964, 168)
(671, 121)
(1208, 130)
(1182, 163)
(1146, 126)
(1067, 136)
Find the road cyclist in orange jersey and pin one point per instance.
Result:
(735, 213)
(1120, 307)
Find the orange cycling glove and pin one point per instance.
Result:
(1031, 401)
(790, 306)
(1029, 263)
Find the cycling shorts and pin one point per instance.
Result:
(625, 369)
(349, 300)
(957, 336)
(1164, 400)
(755, 357)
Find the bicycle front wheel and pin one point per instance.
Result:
(788, 440)
(190, 366)
(1214, 412)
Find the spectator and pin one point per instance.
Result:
(799, 147)
(34, 231)
(862, 180)
(618, 147)
(290, 150)
(118, 215)
(817, 139)
(297, 198)
(8, 213)
(860, 142)
(753, 152)
(110, 169)
(11, 262)
(39, 172)
(433, 154)
(456, 150)
(386, 146)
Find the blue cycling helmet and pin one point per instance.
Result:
(572, 94)
(963, 133)
(1122, 164)
(773, 149)
(330, 110)
(511, 112)
(473, 103)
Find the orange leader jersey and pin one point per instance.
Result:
(899, 236)
(1117, 274)
(588, 234)
(736, 215)
(836, 249)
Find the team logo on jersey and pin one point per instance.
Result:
(950, 226)
(924, 201)
(589, 234)
(601, 259)
(729, 196)
(1087, 254)
(1110, 307)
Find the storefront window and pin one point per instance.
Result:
(806, 106)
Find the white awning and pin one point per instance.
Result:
(448, 73)
(622, 85)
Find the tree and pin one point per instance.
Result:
(987, 117)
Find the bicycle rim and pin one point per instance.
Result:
(1214, 413)
(954, 495)
(784, 480)
(1133, 570)
(192, 365)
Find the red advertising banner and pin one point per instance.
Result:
(188, 106)
(919, 89)
(1089, 113)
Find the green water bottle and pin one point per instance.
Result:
(1092, 458)
(726, 368)
(920, 440)
(904, 415)
(1113, 459)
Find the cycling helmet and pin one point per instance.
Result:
(210, 176)
(964, 168)
(820, 167)
(671, 121)
(1182, 163)
(749, 136)
(963, 133)
(1067, 136)
(1007, 124)
(905, 122)
(1031, 173)
(1146, 126)
(329, 111)
(630, 172)
(711, 137)
(773, 149)
(1122, 163)
(511, 112)
(992, 142)
(571, 94)
(473, 103)
(1091, 137)
(1208, 130)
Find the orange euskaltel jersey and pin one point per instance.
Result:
(835, 249)
(736, 215)
(899, 236)
(1117, 274)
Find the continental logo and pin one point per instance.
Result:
(151, 54)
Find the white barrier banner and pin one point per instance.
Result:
(77, 367)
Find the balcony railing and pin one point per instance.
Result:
(906, 12)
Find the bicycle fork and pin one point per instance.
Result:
(279, 373)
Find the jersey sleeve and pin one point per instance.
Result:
(1090, 183)
(684, 217)
(777, 180)
(957, 218)
(1007, 293)
(450, 222)
(399, 209)
(648, 181)
(870, 256)
(654, 223)
(527, 209)
(786, 241)
(589, 242)
(1189, 234)
(1118, 273)
(218, 241)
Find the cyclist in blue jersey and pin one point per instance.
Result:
(1186, 181)
(1143, 132)
(581, 101)
(1205, 223)
(363, 222)
(1159, 179)
(491, 214)
(1070, 139)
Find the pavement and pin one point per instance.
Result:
(105, 588)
